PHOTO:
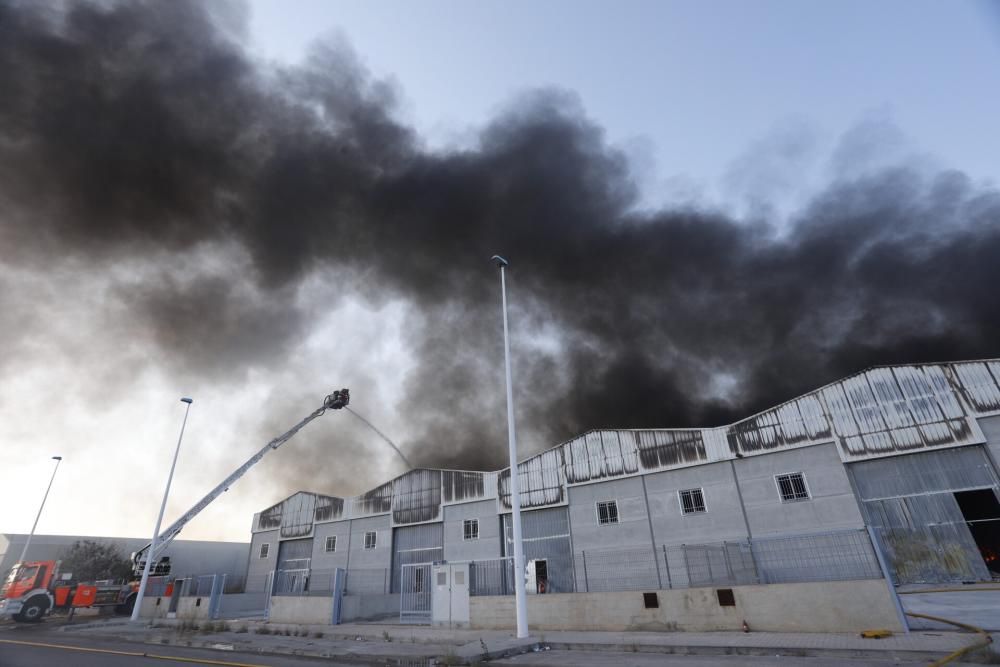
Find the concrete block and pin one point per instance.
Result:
(301, 610)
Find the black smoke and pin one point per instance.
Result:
(143, 130)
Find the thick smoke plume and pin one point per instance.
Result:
(143, 132)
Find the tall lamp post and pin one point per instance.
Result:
(163, 506)
(24, 551)
(515, 494)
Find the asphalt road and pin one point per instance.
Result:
(59, 651)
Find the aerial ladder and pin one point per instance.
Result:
(161, 566)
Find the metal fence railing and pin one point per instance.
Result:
(200, 585)
(374, 581)
(322, 582)
(157, 586)
(829, 556)
(833, 556)
(491, 577)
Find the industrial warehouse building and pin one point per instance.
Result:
(902, 457)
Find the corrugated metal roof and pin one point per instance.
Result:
(881, 411)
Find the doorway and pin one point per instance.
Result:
(981, 511)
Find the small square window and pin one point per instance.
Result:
(470, 529)
(331, 543)
(792, 486)
(264, 549)
(607, 512)
(692, 501)
(726, 597)
(370, 538)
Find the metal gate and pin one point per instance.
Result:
(911, 501)
(415, 593)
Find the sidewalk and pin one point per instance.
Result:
(371, 643)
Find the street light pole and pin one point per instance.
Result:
(24, 551)
(515, 494)
(150, 553)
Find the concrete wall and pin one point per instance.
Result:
(632, 529)
(188, 608)
(840, 606)
(303, 610)
(457, 548)
(722, 518)
(381, 555)
(369, 607)
(258, 568)
(831, 504)
(323, 559)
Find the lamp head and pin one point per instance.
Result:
(189, 401)
(499, 261)
(57, 458)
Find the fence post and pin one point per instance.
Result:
(666, 566)
(222, 594)
(729, 565)
(687, 568)
(753, 561)
(214, 597)
(269, 588)
(586, 580)
(873, 537)
(656, 561)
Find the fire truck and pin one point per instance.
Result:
(33, 589)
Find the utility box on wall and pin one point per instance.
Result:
(450, 595)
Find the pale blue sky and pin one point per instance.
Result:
(687, 88)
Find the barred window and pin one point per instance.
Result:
(264, 548)
(470, 529)
(370, 539)
(692, 501)
(331, 543)
(607, 512)
(792, 486)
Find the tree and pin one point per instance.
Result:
(89, 561)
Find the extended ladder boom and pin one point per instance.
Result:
(334, 401)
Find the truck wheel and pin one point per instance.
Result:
(33, 610)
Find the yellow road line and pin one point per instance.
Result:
(132, 654)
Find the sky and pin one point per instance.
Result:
(685, 87)
(709, 208)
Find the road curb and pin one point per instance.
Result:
(468, 652)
